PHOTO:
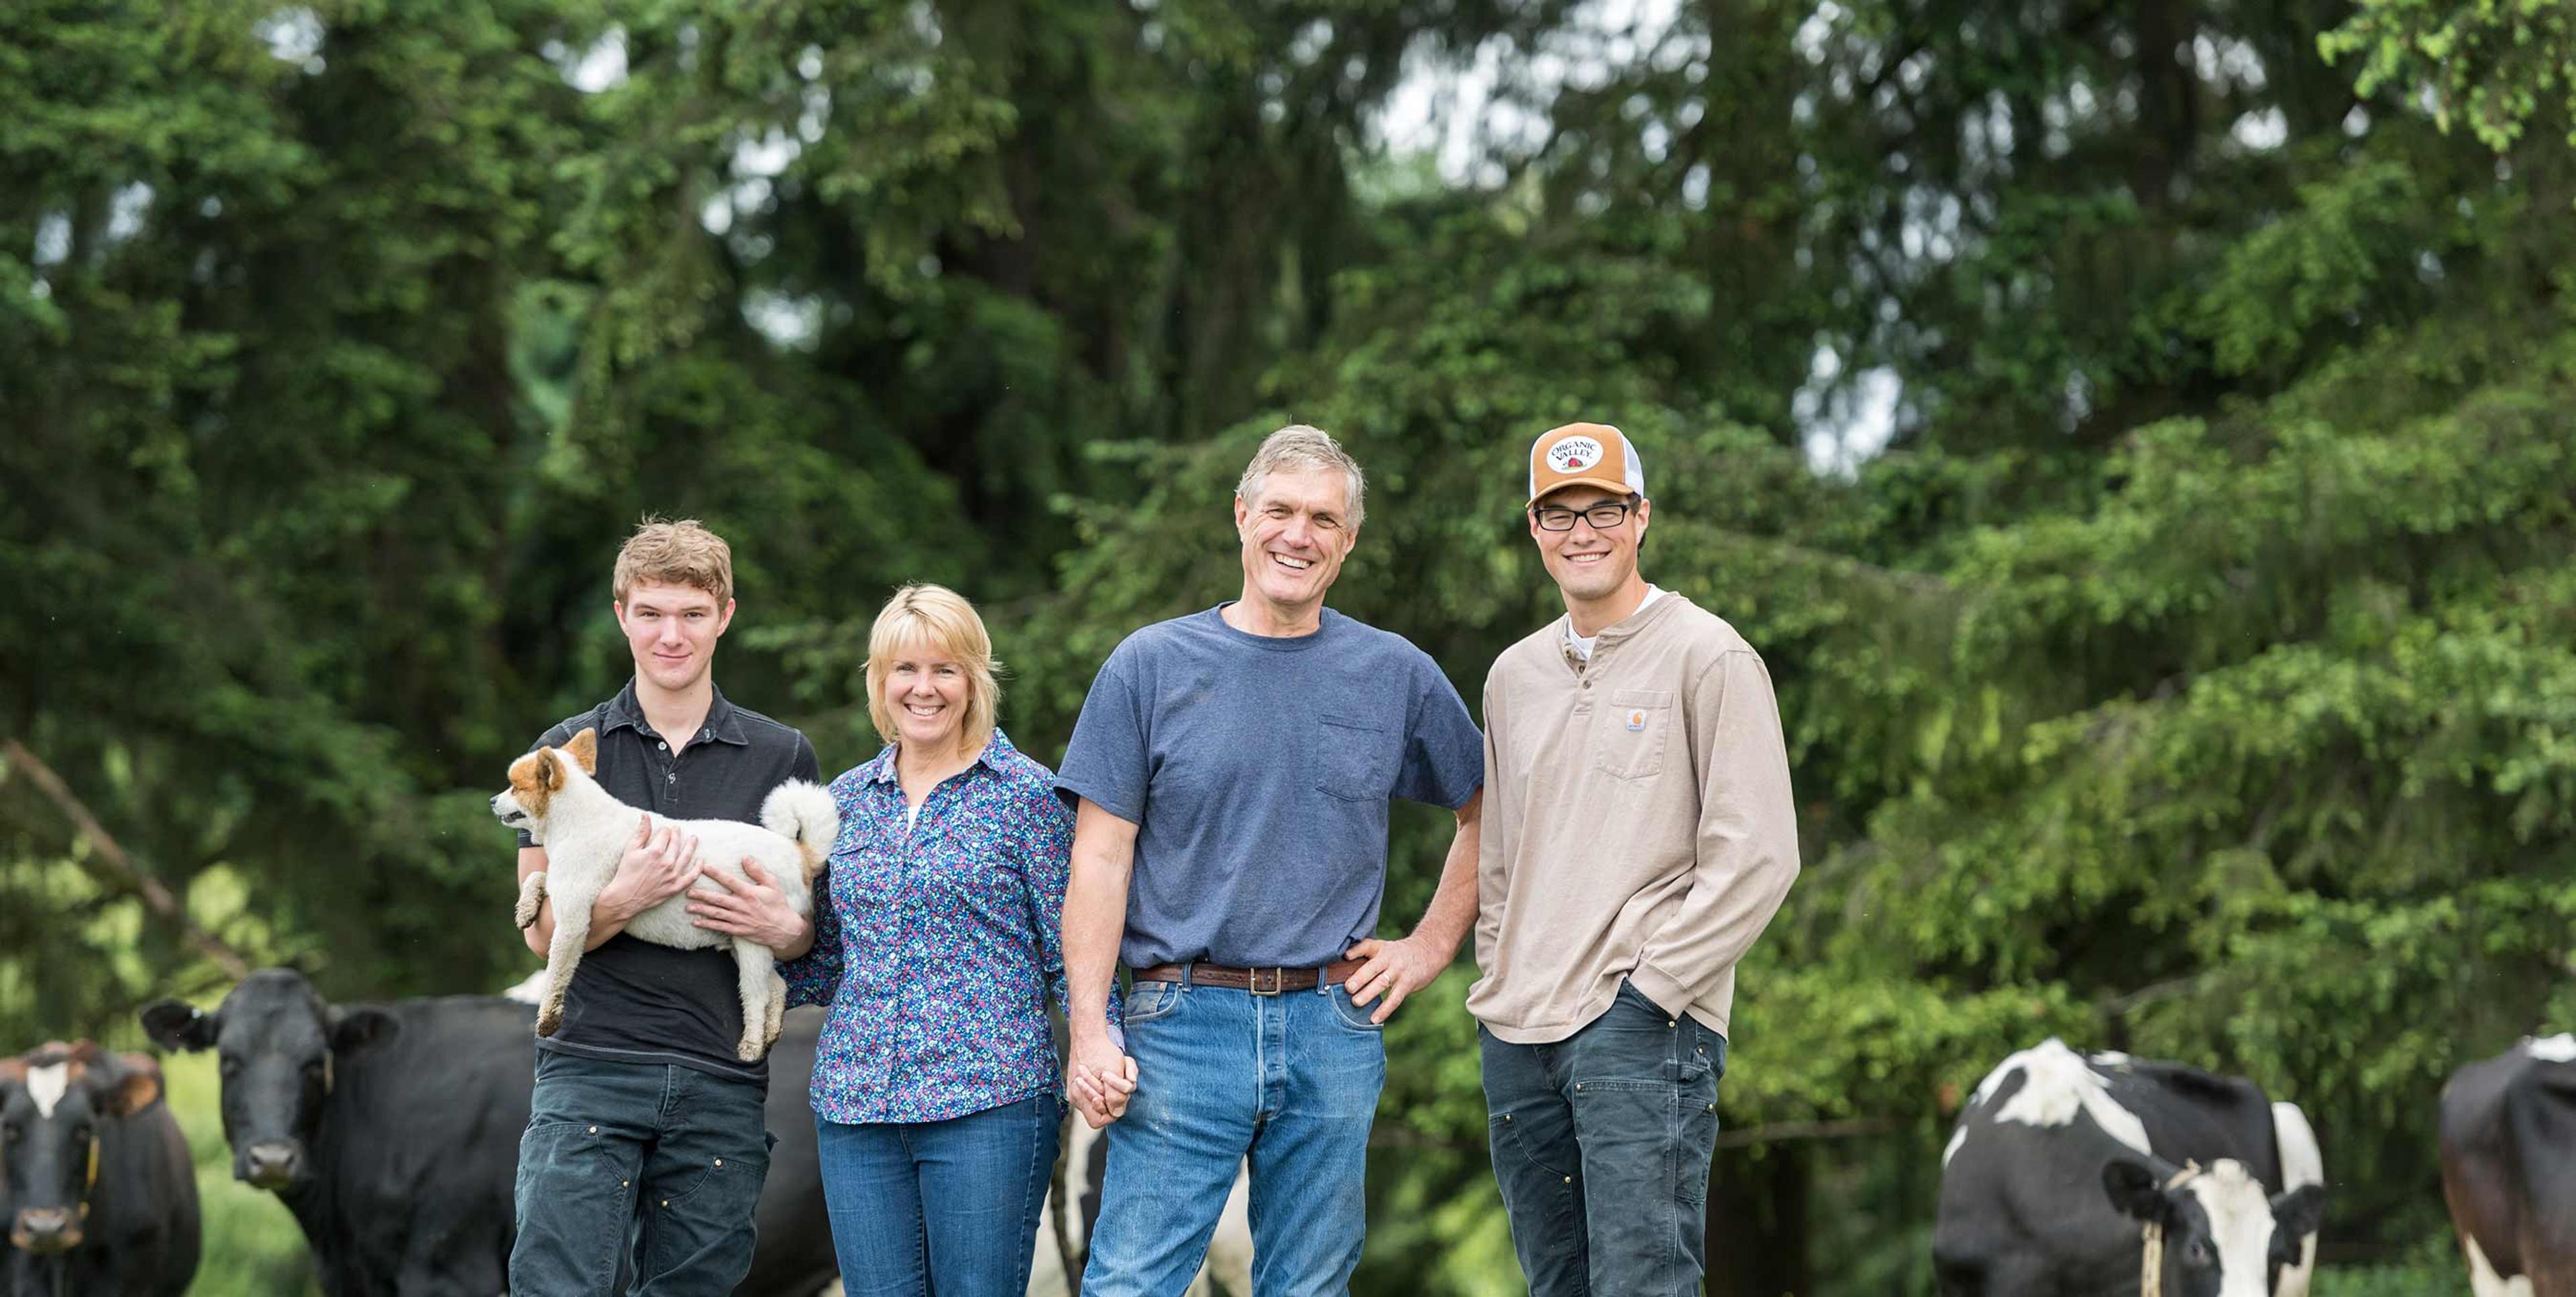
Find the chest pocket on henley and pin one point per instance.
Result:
(1354, 758)
(1628, 737)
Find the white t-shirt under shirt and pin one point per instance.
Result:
(1581, 645)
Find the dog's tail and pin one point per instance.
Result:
(803, 813)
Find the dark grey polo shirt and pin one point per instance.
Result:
(635, 1002)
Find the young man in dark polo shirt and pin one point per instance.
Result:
(645, 1130)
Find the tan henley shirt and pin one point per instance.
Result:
(1638, 822)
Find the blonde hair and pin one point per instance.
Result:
(1304, 448)
(674, 553)
(936, 616)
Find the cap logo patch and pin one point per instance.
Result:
(1573, 454)
(1636, 719)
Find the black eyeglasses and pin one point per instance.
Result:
(1602, 516)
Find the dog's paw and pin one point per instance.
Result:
(532, 896)
(548, 1021)
(750, 1049)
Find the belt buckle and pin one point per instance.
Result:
(1278, 981)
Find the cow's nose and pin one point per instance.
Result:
(271, 1165)
(44, 1230)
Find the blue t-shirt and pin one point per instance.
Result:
(1257, 771)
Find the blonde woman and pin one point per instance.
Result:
(937, 1093)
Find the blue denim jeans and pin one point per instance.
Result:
(1290, 1081)
(947, 1207)
(1601, 1144)
(651, 1164)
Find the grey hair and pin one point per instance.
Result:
(1302, 448)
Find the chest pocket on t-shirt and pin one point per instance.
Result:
(1354, 758)
(1628, 737)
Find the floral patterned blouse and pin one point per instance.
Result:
(937, 941)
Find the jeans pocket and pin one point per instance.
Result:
(1147, 1001)
(573, 1197)
(1697, 1145)
(1352, 1015)
(551, 1145)
(1630, 996)
(1702, 1053)
(1554, 1166)
(726, 1181)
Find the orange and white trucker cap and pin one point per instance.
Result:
(1584, 454)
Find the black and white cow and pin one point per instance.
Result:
(2509, 1168)
(101, 1196)
(2114, 1175)
(391, 1131)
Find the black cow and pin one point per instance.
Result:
(2509, 1168)
(101, 1195)
(2112, 1175)
(391, 1131)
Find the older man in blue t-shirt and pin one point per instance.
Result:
(1233, 769)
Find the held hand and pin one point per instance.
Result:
(1395, 969)
(657, 866)
(757, 909)
(1099, 1079)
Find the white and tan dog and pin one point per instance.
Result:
(585, 831)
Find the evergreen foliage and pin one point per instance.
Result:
(2189, 672)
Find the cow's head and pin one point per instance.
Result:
(276, 1043)
(53, 1103)
(2222, 1236)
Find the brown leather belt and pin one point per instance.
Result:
(1259, 981)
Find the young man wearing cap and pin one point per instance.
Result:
(1638, 836)
(1232, 770)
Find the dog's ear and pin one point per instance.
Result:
(549, 775)
(175, 1025)
(585, 749)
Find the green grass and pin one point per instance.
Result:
(253, 1248)
(2433, 1269)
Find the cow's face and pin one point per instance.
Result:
(277, 1045)
(52, 1104)
(2222, 1236)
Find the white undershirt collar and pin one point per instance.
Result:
(1581, 645)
